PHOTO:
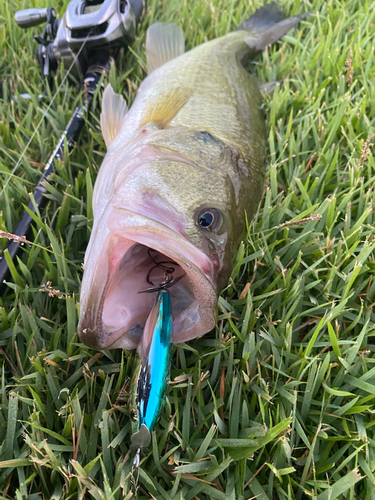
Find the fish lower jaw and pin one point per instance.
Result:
(114, 312)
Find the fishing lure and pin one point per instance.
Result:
(152, 374)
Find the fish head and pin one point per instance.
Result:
(170, 200)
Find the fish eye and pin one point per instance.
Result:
(210, 219)
(133, 415)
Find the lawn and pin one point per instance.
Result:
(278, 401)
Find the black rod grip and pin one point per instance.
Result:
(69, 137)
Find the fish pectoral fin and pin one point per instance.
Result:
(165, 107)
(113, 113)
(164, 42)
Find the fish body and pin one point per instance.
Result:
(184, 167)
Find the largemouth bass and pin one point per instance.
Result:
(183, 168)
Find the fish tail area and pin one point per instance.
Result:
(265, 17)
(267, 26)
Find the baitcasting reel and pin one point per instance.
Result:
(88, 26)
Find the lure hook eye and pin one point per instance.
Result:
(168, 273)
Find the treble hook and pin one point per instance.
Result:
(168, 271)
(168, 274)
(163, 286)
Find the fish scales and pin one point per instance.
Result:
(184, 166)
(225, 100)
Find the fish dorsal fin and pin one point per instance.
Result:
(164, 42)
(113, 113)
(164, 108)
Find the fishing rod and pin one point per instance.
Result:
(86, 39)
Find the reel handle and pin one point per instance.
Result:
(31, 17)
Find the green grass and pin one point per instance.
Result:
(278, 402)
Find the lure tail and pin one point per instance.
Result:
(152, 380)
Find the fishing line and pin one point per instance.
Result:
(44, 114)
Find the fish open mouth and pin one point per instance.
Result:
(114, 312)
(126, 308)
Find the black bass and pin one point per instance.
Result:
(183, 168)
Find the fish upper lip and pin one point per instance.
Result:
(141, 222)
